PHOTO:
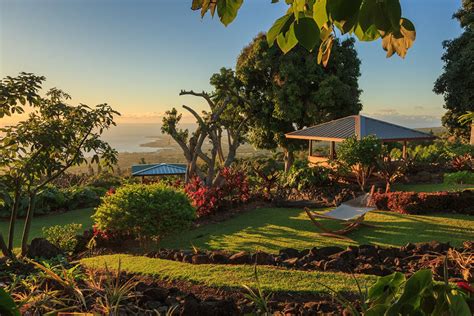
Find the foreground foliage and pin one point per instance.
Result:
(311, 23)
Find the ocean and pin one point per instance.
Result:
(136, 137)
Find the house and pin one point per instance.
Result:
(355, 125)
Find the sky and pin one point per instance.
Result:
(137, 55)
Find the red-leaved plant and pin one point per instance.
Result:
(234, 189)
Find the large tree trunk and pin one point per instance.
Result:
(13, 216)
(289, 159)
(27, 227)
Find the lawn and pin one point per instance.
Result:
(81, 216)
(271, 278)
(432, 187)
(270, 229)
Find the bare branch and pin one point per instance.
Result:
(203, 95)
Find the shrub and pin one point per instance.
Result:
(463, 163)
(144, 211)
(84, 196)
(234, 189)
(50, 200)
(302, 177)
(104, 180)
(460, 177)
(360, 156)
(63, 237)
(422, 203)
(204, 199)
(263, 173)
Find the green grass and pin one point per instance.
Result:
(272, 279)
(82, 216)
(432, 187)
(270, 229)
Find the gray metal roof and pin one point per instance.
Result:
(160, 169)
(361, 126)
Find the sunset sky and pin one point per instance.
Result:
(138, 54)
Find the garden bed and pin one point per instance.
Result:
(365, 259)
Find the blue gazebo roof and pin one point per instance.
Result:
(159, 169)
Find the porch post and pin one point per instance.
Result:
(404, 151)
(332, 150)
(310, 149)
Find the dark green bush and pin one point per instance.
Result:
(302, 177)
(144, 211)
(84, 196)
(104, 180)
(55, 200)
(460, 177)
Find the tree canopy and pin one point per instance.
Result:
(456, 83)
(54, 137)
(312, 23)
(286, 92)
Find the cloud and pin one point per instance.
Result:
(405, 119)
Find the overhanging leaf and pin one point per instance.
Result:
(227, 10)
(278, 27)
(319, 12)
(307, 33)
(286, 41)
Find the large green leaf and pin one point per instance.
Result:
(286, 41)
(385, 289)
(343, 10)
(7, 305)
(415, 287)
(279, 27)
(307, 33)
(227, 10)
(381, 17)
(394, 11)
(366, 15)
(320, 14)
(458, 305)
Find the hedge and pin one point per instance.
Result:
(423, 203)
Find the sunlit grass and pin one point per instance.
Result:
(82, 216)
(271, 278)
(271, 229)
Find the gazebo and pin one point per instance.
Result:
(158, 169)
(359, 126)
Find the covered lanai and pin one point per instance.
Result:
(359, 126)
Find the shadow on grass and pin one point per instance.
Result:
(276, 228)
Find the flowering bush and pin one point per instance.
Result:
(208, 200)
(420, 203)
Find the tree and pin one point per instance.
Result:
(457, 81)
(312, 23)
(287, 92)
(360, 156)
(15, 93)
(54, 137)
(222, 119)
(468, 119)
